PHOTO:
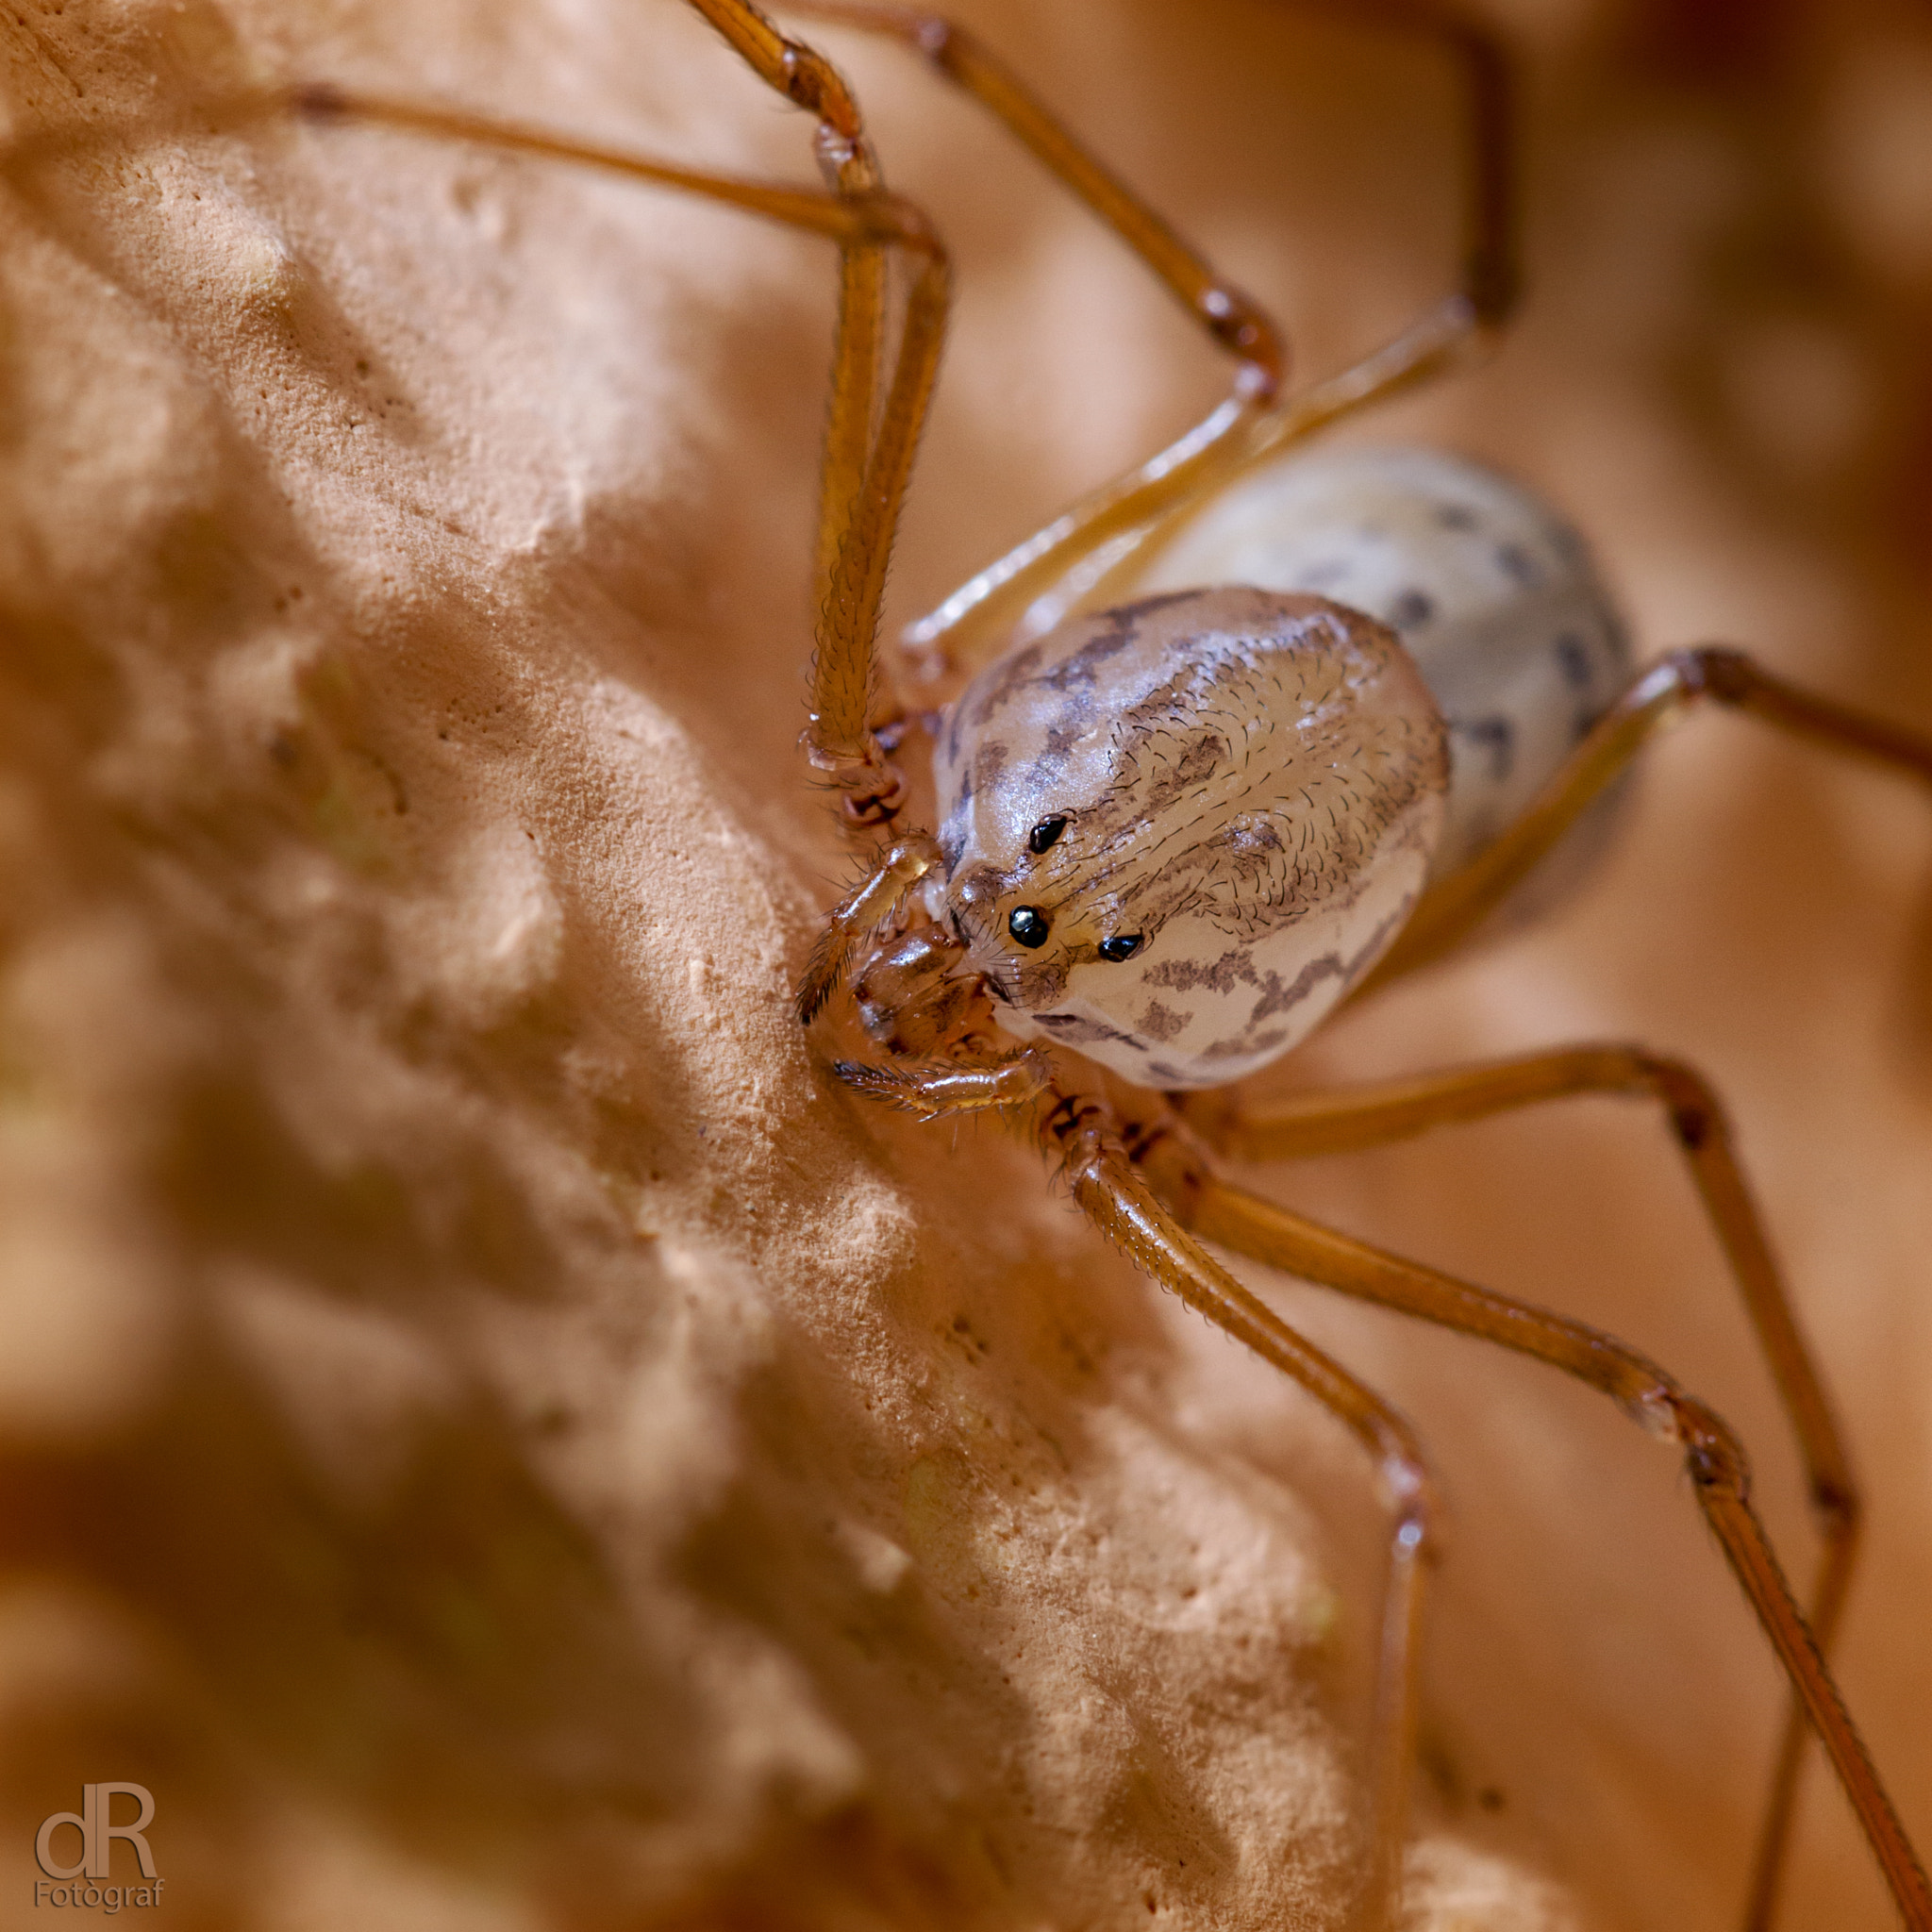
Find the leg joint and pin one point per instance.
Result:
(813, 83)
(1244, 329)
(1409, 1489)
(1712, 1452)
(1076, 1124)
(1697, 1116)
(1165, 1150)
(1837, 1505)
(1714, 671)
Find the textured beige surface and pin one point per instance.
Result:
(491, 1437)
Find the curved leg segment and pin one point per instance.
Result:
(1103, 535)
(868, 452)
(973, 619)
(1343, 1119)
(1118, 1199)
(1713, 1457)
(870, 440)
(868, 906)
(1676, 685)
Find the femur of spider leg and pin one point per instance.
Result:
(1123, 1204)
(1714, 1458)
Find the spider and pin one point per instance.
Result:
(1174, 831)
(1176, 827)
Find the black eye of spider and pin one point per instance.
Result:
(1044, 833)
(1123, 948)
(1029, 925)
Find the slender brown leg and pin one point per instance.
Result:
(1341, 1120)
(870, 902)
(1231, 318)
(866, 467)
(1116, 1196)
(869, 447)
(1227, 1216)
(1101, 537)
(1451, 907)
(942, 1090)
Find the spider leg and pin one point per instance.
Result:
(1100, 538)
(1451, 907)
(1215, 1211)
(870, 440)
(940, 1089)
(977, 614)
(1117, 1198)
(1341, 1120)
(871, 902)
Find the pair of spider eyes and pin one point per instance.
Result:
(1028, 924)
(1029, 927)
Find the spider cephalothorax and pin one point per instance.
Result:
(1176, 833)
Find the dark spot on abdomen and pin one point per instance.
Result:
(1495, 737)
(1572, 659)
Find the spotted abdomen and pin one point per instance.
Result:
(1493, 594)
(1176, 833)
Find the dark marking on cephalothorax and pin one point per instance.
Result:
(1243, 1045)
(1145, 606)
(1077, 1030)
(1412, 608)
(1279, 998)
(1009, 676)
(1083, 666)
(1162, 1023)
(1325, 575)
(989, 761)
(1235, 967)
(1456, 516)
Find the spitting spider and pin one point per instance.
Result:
(1176, 827)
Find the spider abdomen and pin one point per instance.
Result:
(1493, 594)
(1177, 832)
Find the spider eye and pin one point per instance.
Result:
(1044, 833)
(1122, 948)
(1029, 925)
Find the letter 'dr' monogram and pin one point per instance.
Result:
(96, 1833)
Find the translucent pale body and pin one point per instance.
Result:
(1493, 596)
(1251, 786)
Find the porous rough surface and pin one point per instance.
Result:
(490, 1435)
